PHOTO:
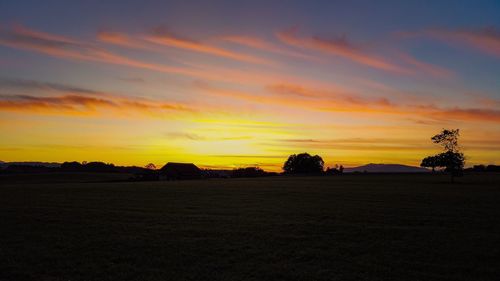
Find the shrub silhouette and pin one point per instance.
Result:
(249, 172)
(336, 170)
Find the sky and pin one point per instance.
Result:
(227, 84)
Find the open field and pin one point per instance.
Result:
(349, 227)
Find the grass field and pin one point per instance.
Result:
(350, 227)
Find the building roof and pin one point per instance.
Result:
(183, 168)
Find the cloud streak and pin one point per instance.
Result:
(260, 44)
(486, 39)
(377, 144)
(59, 99)
(296, 96)
(85, 105)
(339, 47)
(426, 67)
(123, 40)
(63, 47)
(30, 85)
(164, 37)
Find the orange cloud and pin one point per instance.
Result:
(339, 47)
(488, 102)
(83, 105)
(304, 98)
(62, 47)
(355, 144)
(163, 37)
(458, 113)
(333, 96)
(30, 85)
(67, 48)
(54, 45)
(70, 104)
(296, 96)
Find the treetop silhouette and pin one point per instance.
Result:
(303, 163)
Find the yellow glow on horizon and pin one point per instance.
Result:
(232, 101)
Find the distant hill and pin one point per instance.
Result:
(386, 168)
(44, 164)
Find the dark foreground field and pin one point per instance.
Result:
(364, 227)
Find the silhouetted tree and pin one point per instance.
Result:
(493, 168)
(71, 167)
(303, 164)
(150, 166)
(99, 167)
(248, 172)
(484, 168)
(451, 159)
(453, 163)
(27, 169)
(431, 162)
(478, 168)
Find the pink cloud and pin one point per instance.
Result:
(339, 47)
(163, 37)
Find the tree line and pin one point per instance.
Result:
(450, 160)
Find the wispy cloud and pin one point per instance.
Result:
(340, 47)
(260, 44)
(163, 36)
(63, 47)
(486, 39)
(71, 49)
(54, 45)
(85, 105)
(378, 144)
(124, 40)
(294, 96)
(297, 96)
(68, 103)
(59, 99)
(197, 137)
(132, 79)
(334, 96)
(31, 85)
(425, 67)
(355, 144)
(459, 113)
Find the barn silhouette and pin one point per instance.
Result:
(179, 171)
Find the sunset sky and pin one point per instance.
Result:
(240, 83)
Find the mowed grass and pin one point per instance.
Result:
(350, 227)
